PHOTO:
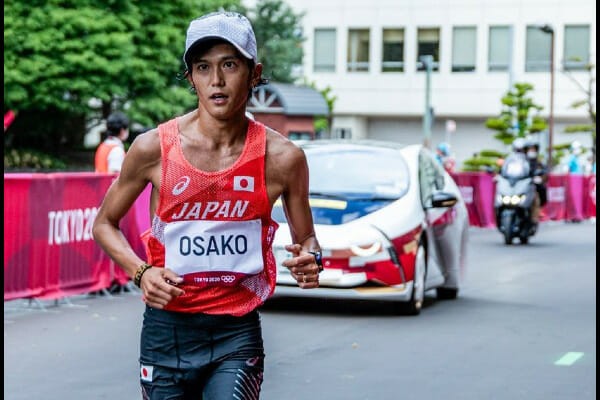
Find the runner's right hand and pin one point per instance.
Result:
(159, 287)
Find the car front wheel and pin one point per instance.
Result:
(413, 307)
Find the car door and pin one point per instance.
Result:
(431, 179)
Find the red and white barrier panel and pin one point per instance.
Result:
(570, 197)
(49, 251)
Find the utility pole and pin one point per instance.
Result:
(551, 117)
(511, 68)
(547, 28)
(428, 63)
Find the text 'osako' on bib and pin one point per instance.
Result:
(214, 252)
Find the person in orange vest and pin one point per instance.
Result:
(111, 152)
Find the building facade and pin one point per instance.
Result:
(369, 54)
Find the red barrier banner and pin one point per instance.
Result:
(478, 190)
(555, 209)
(49, 251)
(590, 196)
(570, 197)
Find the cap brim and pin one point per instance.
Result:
(198, 42)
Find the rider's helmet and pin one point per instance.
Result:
(518, 145)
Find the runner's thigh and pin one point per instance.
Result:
(235, 380)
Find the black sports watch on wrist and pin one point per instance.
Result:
(318, 259)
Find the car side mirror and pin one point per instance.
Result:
(443, 199)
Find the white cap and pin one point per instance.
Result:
(229, 26)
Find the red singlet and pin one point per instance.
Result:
(214, 228)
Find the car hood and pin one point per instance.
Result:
(391, 219)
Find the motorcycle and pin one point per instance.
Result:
(515, 194)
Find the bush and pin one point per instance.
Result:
(488, 164)
(492, 154)
(31, 159)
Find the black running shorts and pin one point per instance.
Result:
(200, 356)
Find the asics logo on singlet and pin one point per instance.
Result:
(181, 185)
(243, 183)
(227, 278)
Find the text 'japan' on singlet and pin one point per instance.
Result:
(214, 228)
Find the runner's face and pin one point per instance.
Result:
(221, 79)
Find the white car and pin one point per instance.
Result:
(390, 221)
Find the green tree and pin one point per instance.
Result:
(61, 56)
(279, 38)
(519, 116)
(588, 103)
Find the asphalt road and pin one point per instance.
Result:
(523, 327)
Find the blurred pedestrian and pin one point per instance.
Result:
(442, 154)
(111, 152)
(215, 176)
(573, 162)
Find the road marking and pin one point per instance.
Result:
(569, 358)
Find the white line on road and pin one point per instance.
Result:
(569, 358)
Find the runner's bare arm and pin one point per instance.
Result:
(141, 165)
(293, 175)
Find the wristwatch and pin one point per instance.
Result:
(318, 259)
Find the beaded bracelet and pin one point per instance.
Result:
(137, 279)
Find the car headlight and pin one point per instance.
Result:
(514, 200)
(506, 199)
(366, 252)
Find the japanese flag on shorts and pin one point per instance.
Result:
(146, 373)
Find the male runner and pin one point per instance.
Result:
(215, 175)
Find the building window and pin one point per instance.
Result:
(499, 48)
(393, 50)
(342, 133)
(292, 135)
(428, 43)
(358, 50)
(464, 48)
(537, 50)
(577, 47)
(324, 55)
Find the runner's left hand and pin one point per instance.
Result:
(302, 266)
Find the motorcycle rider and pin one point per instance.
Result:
(517, 168)
(539, 174)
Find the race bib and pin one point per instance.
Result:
(214, 252)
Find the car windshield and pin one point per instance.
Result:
(351, 171)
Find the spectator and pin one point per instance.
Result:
(111, 152)
(442, 154)
(573, 162)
